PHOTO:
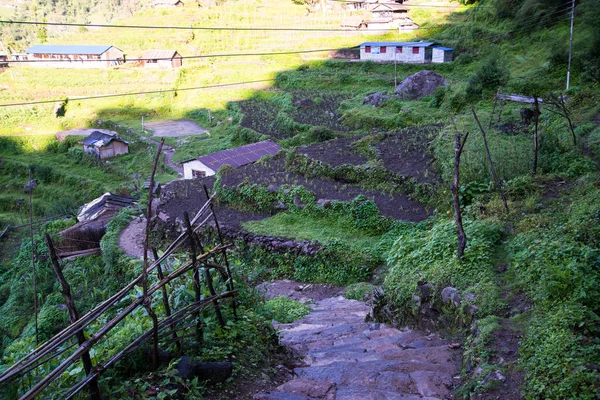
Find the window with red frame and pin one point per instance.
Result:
(415, 50)
(367, 49)
(383, 49)
(398, 49)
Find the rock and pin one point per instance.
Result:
(423, 83)
(470, 297)
(426, 290)
(495, 376)
(30, 185)
(450, 294)
(212, 372)
(417, 300)
(298, 202)
(376, 99)
(304, 103)
(273, 188)
(325, 203)
(308, 387)
(279, 206)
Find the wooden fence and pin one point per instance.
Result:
(71, 345)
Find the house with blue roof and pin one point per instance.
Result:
(404, 52)
(74, 56)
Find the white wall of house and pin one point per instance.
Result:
(441, 56)
(195, 167)
(420, 55)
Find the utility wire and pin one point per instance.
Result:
(102, 96)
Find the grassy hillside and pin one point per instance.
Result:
(530, 272)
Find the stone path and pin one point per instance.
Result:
(345, 358)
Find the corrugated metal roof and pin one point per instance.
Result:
(389, 6)
(241, 155)
(100, 139)
(68, 49)
(156, 54)
(402, 44)
(443, 48)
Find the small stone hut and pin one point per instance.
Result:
(104, 145)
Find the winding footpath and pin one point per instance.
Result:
(345, 358)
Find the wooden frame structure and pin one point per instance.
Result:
(70, 345)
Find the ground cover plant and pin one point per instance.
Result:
(529, 275)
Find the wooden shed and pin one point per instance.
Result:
(209, 164)
(104, 145)
(162, 59)
(74, 56)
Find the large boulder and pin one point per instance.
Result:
(423, 83)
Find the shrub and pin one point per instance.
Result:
(358, 291)
(285, 310)
(489, 77)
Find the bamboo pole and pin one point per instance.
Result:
(73, 316)
(462, 237)
(195, 274)
(225, 259)
(165, 298)
(147, 299)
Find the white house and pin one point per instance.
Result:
(209, 164)
(402, 52)
(74, 56)
(441, 54)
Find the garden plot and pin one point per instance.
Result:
(319, 109)
(406, 152)
(273, 173)
(336, 152)
(188, 195)
(177, 128)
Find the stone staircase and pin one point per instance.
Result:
(345, 358)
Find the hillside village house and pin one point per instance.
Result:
(209, 164)
(404, 52)
(104, 145)
(74, 56)
(3, 60)
(162, 59)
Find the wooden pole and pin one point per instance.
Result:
(489, 157)
(147, 299)
(195, 274)
(230, 284)
(73, 316)
(462, 237)
(165, 298)
(535, 137)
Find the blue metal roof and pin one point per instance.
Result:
(443, 48)
(67, 49)
(402, 44)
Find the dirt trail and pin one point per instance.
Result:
(345, 358)
(169, 152)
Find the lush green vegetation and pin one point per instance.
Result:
(548, 241)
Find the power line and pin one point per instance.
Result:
(102, 96)
(186, 28)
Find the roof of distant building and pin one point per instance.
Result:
(241, 155)
(99, 139)
(156, 54)
(402, 44)
(68, 49)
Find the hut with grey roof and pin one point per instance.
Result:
(209, 164)
(104, 145)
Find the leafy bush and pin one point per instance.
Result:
(285, 310)
(358, 291)
(490, 76)
(428, 254)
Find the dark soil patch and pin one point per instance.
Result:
(260, 116)
(554, 188)
(407, 152)
(319, 109)
(298, 291)
(273, 172)
(336, 152)
(188, 195)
